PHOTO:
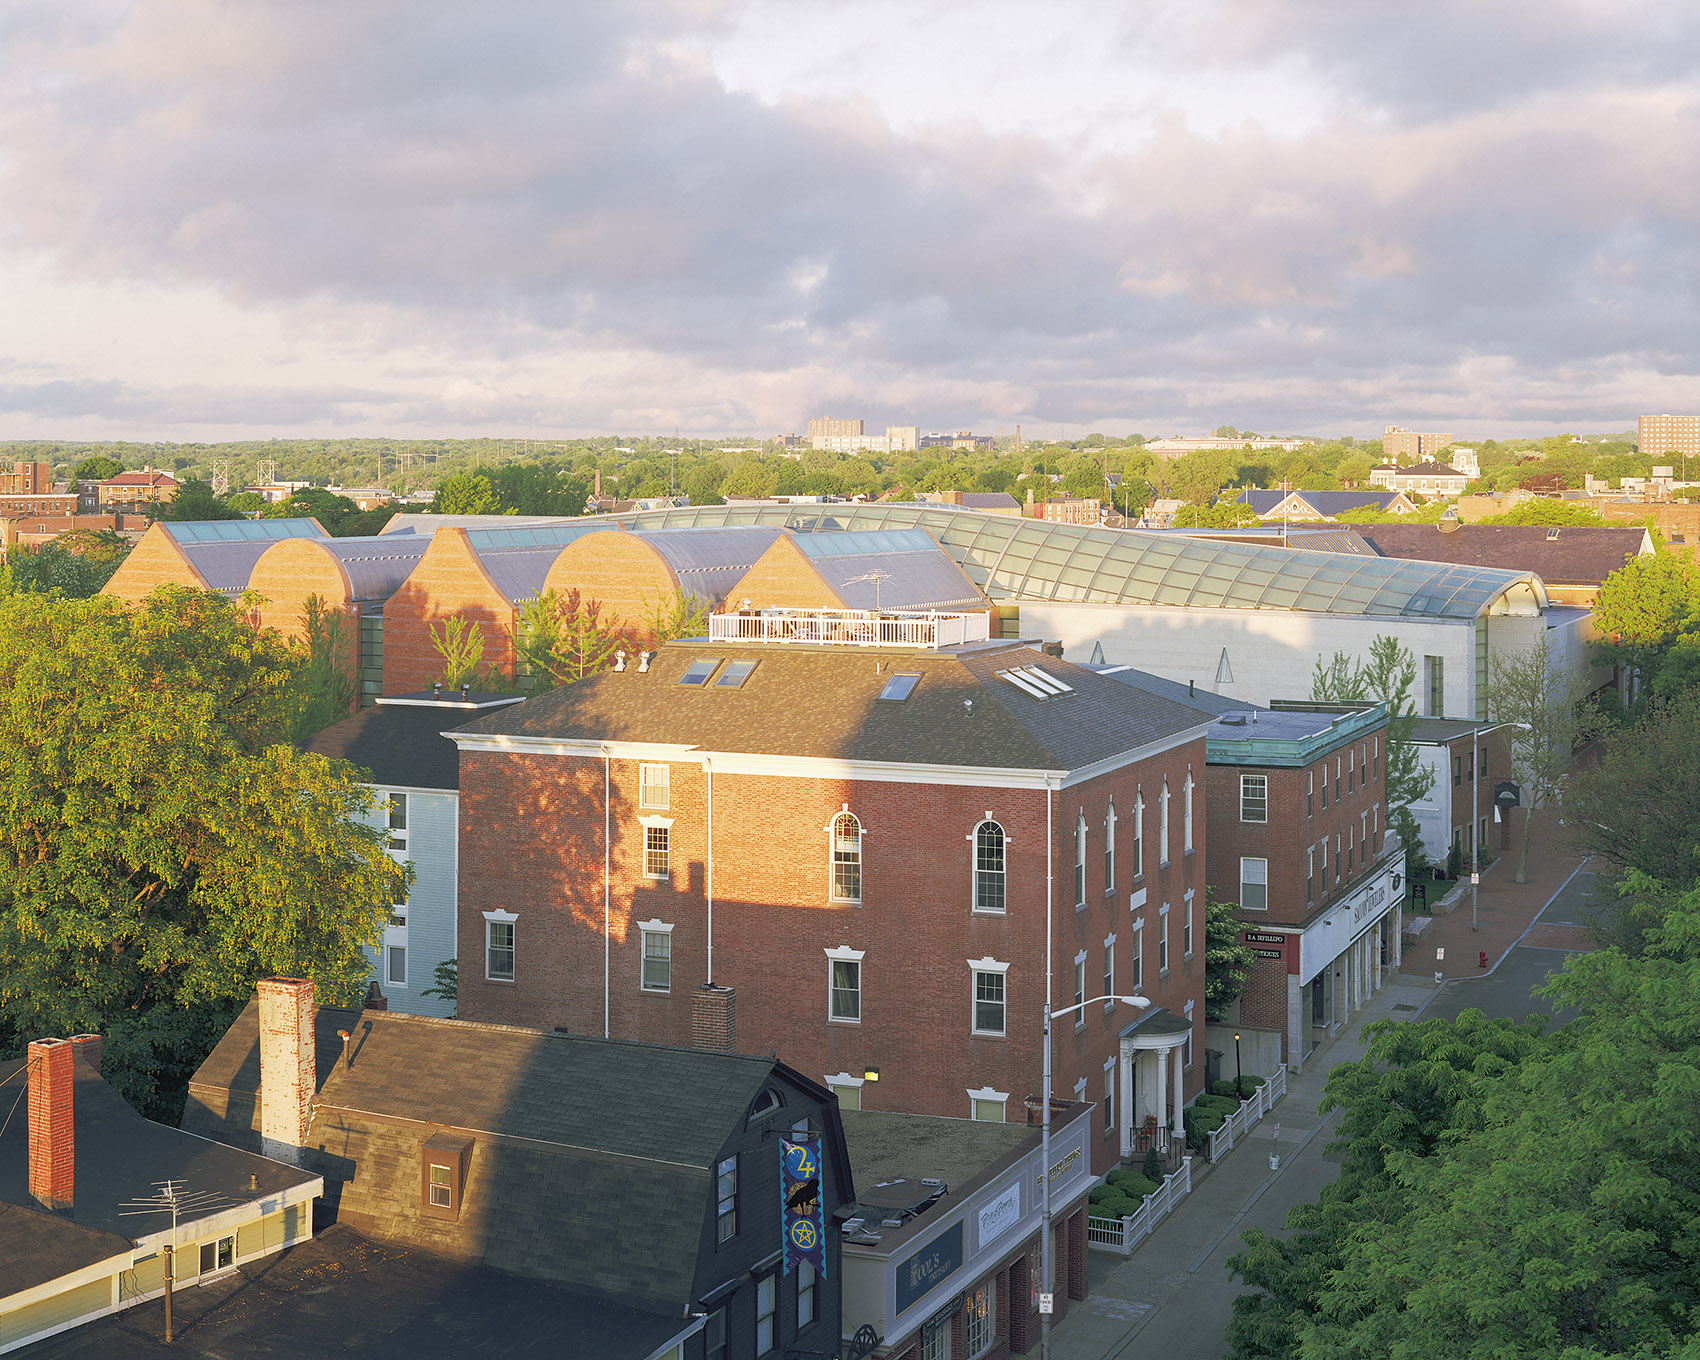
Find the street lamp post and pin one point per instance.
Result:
(1239, 1085)
(1047, 1247)
(1476, 809)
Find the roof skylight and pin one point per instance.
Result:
(697, 672)
(1039, 683)
(735, 674)
(899, 687)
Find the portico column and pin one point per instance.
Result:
(1161, 1058)
(1180, 1098)
(1130, 1116)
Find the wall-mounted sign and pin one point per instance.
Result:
(1268, 954)
(1000, 1215)
(1507, 794)
(1262, 937)
(930, 1266)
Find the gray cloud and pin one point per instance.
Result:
(531, 179)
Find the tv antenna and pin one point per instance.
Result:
(876, 576)
(175, 1198)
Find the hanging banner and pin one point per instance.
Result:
(801, 1217)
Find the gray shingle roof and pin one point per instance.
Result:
(1578, 555)
(401, 745)
(823, 702)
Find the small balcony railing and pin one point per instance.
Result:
(850, 628)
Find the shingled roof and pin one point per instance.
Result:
(1573, 555)
(400, 739)
(824, 702)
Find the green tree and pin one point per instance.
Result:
(1637, 806)
(676, 616)
(1545, 510)
(325, 683)
(77, 564)
(561, 639)
(1227, 960)
(96, 469)
(195, 501)
(459, 644)
(163, 849)
(1388, 675)
(1648, 610)
(465, 493)
(1533, 692)
(331, 510)
(537, 489)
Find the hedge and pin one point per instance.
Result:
(1225, 1087)
(1131, 1184)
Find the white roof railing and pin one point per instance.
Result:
(850, 628)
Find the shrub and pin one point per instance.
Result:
(1225, 1087)
(1214, 1104)
(1110, 1203)
(1152, 1167)
(1134, 1186)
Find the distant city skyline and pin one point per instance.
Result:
(238, 222)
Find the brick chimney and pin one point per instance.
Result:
(87, 1047)
(713, 1015)
(286, 1066)
(53, 1139)
(375, 998)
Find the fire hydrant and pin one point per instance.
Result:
(1481, 958)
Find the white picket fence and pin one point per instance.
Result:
(1123, 1234)
(1250, 1111)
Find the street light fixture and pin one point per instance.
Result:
(1476, 809)
(1047, 1247)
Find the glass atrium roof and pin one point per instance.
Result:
(1025, 559)
(240, 530)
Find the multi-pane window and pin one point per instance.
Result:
(1136, 964)
(988, 867)
(1254, 883)
(982, 1322)
(1254, 798)
(1436, 668)
(442, 1189)
(1110, 850)
(1139, 835)
(1080, 989)
(846, 858)
(1186, 814)
(656, 851)
(935, 1342)
(1163, 825)
(1110, 970)
(1080, 862)
(1310, 793)
(807, 1276)
(988, 1002)
(1338, 766)
(1336, 856)
(1186, 928)
(1310, 875)
(657, 960)
(398, 821)
(1457, 771)
(499, 950)
(655, 786)
(1109, 1097)
(845, 986)
(1324, 866)
(714, 1336)
(1163, 941)
(726, 1198)
(1351, 769)
(767, 1303)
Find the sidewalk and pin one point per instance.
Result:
(1504, 909)
(1174, 1292)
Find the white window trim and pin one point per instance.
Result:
(499, 917)
(1264, 861)
(848, 955)
(1163, 940)
(843, 955)
(1139, 953)
(645, 765)
(1186, 818)
(656, 821)
(653, 928)
(832, 855)
(973, 839)
(986, 1093)
(986, 965)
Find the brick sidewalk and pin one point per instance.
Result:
(1504, 910)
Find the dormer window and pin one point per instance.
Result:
(442, 1181)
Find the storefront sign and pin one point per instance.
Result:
(1262, 937)
(930, 1266)
(800, 1204)
(1268, 954)
(998, 1217)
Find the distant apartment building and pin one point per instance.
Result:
(1411, 446)
(1168, 448)
(848, 436)
(137, 488)
(1661, 435)
(27, 479)
(1066, 510)
(1429, 478)
(959, 439)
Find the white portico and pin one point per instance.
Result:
(1151, 1067)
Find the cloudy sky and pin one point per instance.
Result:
(240, 219)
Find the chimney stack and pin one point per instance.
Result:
(53, 1142)
(713, 1014)
(286, 1066)
(87, 1047)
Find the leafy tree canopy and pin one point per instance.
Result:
(96, 469)
(162, 850)
(1545, 510)
(77, 564)
(195, 501)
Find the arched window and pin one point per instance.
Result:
(988, 867)
(846, 858)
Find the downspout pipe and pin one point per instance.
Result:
(708, 877)
(607, 891)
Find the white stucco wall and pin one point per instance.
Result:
(1272, 652)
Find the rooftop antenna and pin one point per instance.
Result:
(876, 576)
(175, 1198)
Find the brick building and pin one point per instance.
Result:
(203, 555)
(27, 479)
(859, 856)
(1466, 758)
(137, 488)
(1296, 799)
(1400, 445)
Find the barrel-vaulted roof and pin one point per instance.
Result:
(1026, 559)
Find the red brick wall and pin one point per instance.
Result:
(1291, 830)
(449, 581)
(531, 843)
(620, 572)
(783, 578)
